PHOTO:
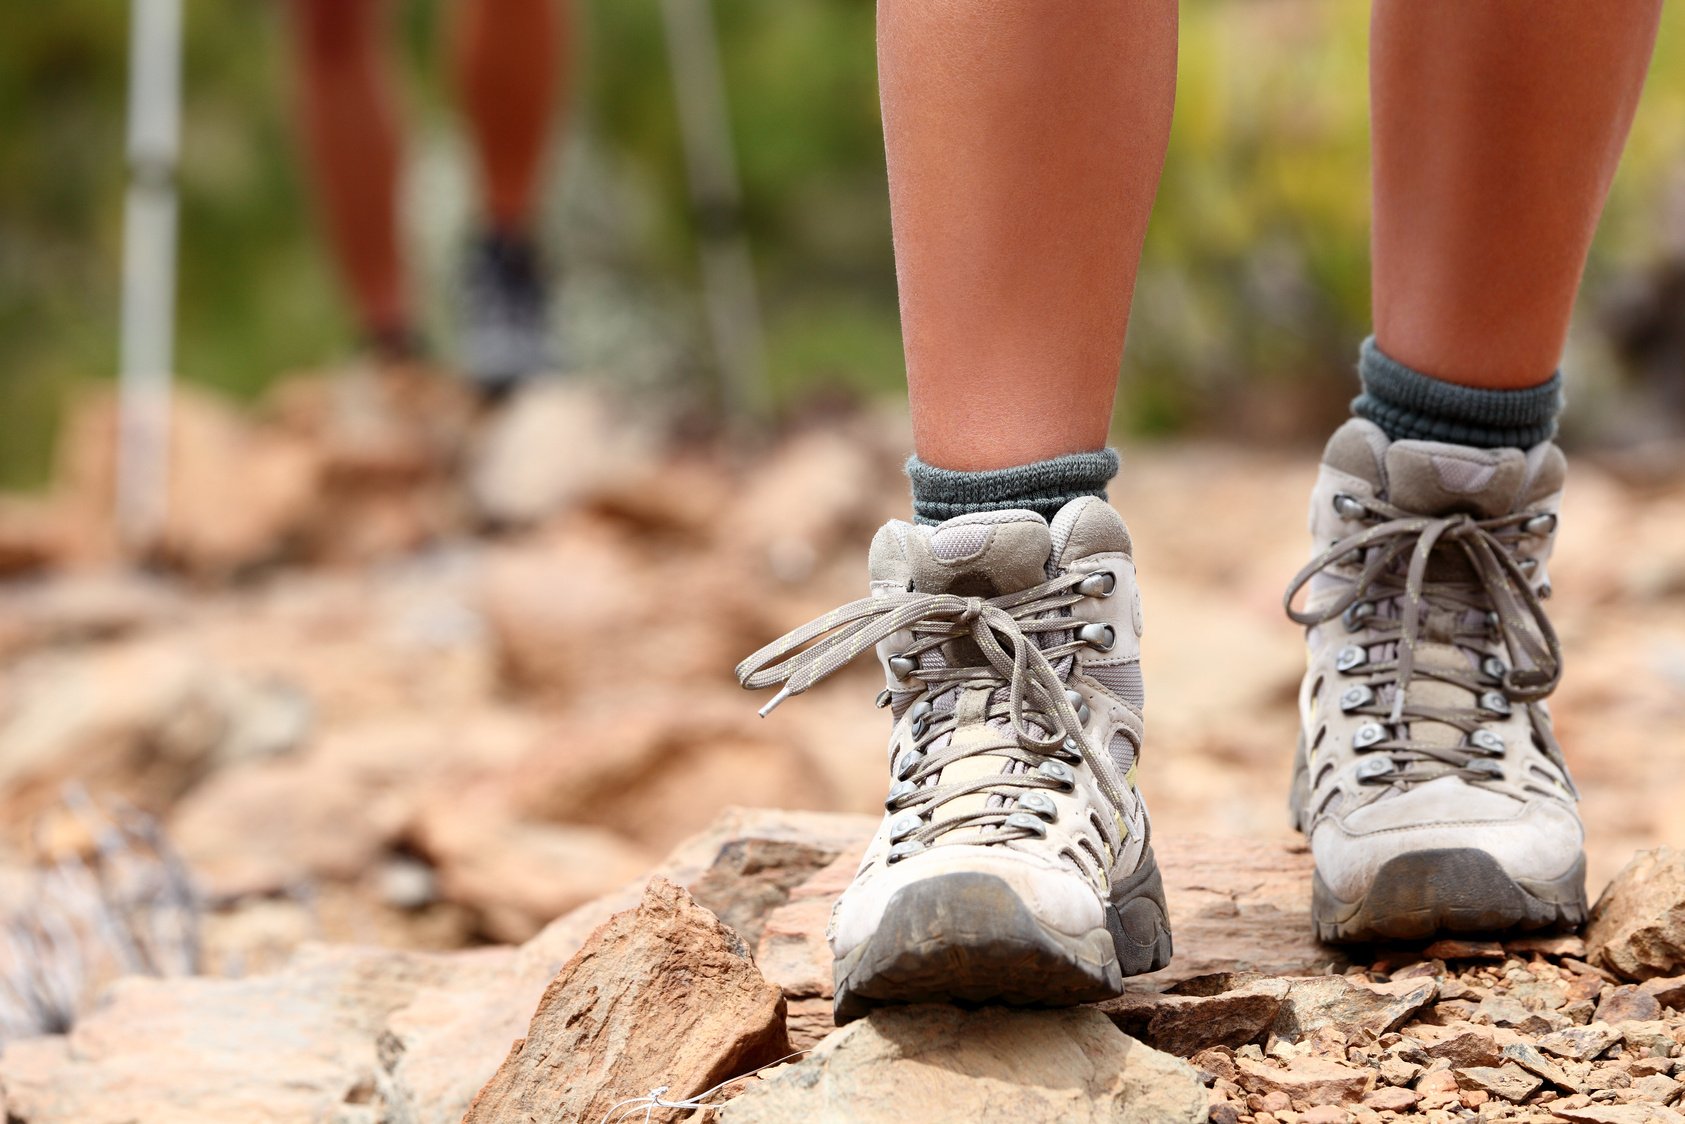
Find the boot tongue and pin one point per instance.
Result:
(988, 554)
(1429, 478)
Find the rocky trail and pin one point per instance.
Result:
(411, 782)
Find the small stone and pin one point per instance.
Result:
(1324, 1114)
(1580, 1043)
(1474, 1098)
(1461, 1048)
(1529, 1059)
(1578, 1011)
(1637, 927)
(1502, 1010)
(1217, 1061)
(1341, 1002)
(1185, 1024)
(1305, 1080)
(1451, 949)
(1275, 1101)
(1608, 1077)
(1452, 1011)
(1420, 969)
(1437, 1081)
(1397, 1071)
(1510, 1082)
(1628, 1005)
(1391, 1099)
(1224, 1113)
(1645, 1067)
(1651, 1039)
(1669, 991)
(1656, 1089)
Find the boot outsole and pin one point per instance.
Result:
(1462, 890)
(967, 938)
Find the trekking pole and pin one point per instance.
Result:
(149, 268)
(716, 197)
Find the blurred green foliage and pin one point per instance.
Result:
(1255, 271)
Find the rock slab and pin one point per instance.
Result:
(664, 995)
(1637, 927)
(940, 1063)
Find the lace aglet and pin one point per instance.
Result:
(784, 692)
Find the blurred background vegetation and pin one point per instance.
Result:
(1256, 264)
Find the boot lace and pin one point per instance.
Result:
(1394, 602)
(1018, 636)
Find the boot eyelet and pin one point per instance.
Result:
(1058, 772)
(1356, 614)
(1038, 803)
(1540, 524)
(1348, 506)
(902, 667)
(1487, 741)
(1487, 767)
(1102, 583)
(1494, 667)
(898, 792)
(907, 764)
(1078, 704)
(1024, 821)
(1496, 702)
(905, 849)
(1100, 637)
(1354, 697)
(1371, 769)
(1368, 734)
(904, 825)
(1350, 658)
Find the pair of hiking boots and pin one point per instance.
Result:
(1014, 862)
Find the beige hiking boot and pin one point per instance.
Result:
(1014, 862)
(1430, 785)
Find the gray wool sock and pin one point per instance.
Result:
(1043, 487)
(1411, 405)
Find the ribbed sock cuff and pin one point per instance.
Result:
(1412, 406)
(1043, 487)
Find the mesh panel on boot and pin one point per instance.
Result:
(1122, 681)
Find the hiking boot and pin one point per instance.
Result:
(505, 332)
(1014, 864)
(1428, 780)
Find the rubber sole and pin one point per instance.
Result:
(1461, 890)
(967, 938)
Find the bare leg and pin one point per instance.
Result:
(345, 99)
(1497, 128)
(507, 56)
(1025, 142)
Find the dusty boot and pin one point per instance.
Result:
(1014, 862)
(1428, 780)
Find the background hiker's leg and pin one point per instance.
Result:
(1497, 127)
(1025, 142)
(346, 100)
(508, 55)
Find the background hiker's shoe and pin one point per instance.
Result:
(505, 330)
(1014, 862)
(1428, 779)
